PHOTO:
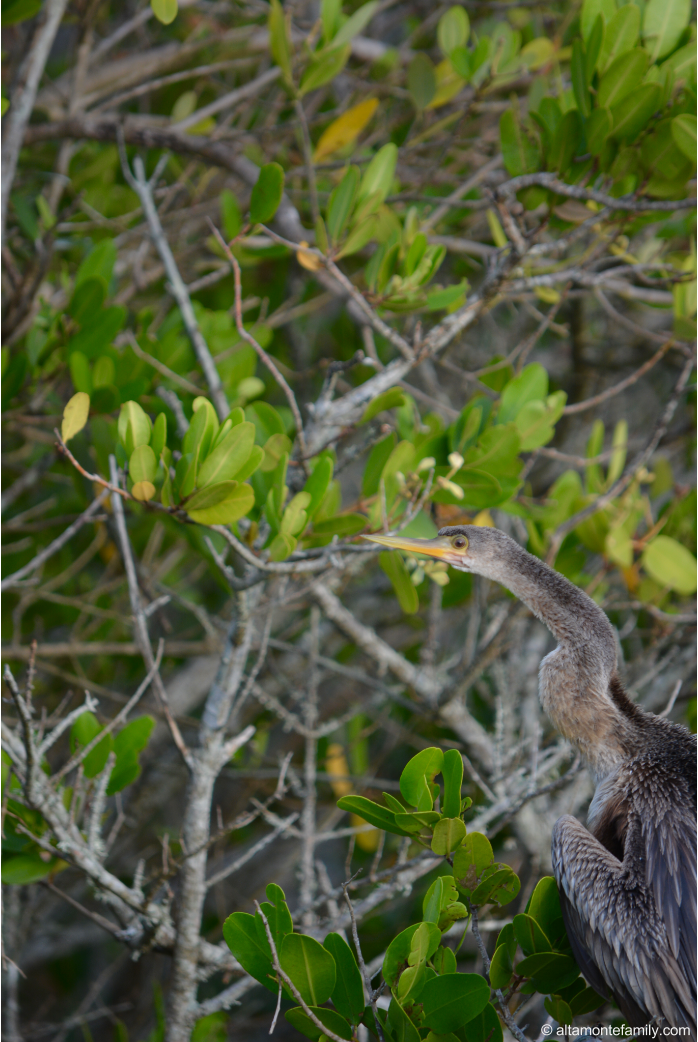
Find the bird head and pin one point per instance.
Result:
(468, 548)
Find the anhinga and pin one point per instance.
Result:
(628, 882)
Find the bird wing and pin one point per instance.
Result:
(616, 934)
(669, 840)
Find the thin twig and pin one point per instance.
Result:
(266, 359)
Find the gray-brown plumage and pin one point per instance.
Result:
(628, 881)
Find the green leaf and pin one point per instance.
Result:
(418, 775)
(592, 48)
(566, 142)
(598, 130)
(591, 9)
(585, 1001)
(310, 967)
(230, 214)
(362, 233)
(433, 901)
(371, 812)
(471, 859)
(348, 994)
(295, 516)
(134, 736)
(211, 496)
(499, 885)
(321, 72)
(394, 567)
(453, 29)
(621, 35)
(558, 1009)
(448, 835)
(402, 1028)
(444, 961)
(450, 1002)
(240, 933)
(300, 1020)
(276, 446)
(229, 457)
(683, 63)
(75, 415)
(544, 908)
(579, 79)
(425, 940)
(185, 474)
(535, 422)
(388, 400)
(85, 728)
(421, 80)
(530, 385)
(282, 546)
(662, 26)
(549, 971)
(521, 153)
(266, 193)
(134, 426)
(397, 954)
(501, 967)
(416, 821)
(19, 11)
(99, 263)
(622, 77)
(529, 935)
(278, 918)
(158, 437)
(452, 771)
(99, 332)
(142, 464)
(279, 39)
(318, 483)
(238, 502)
(485, 1027)
(632, 114)
(26, 868)
(341, 524)
(379, 175)
(683, 131)
(341, 203)
(164, 10)
(203, 429)
(87, 300)
(670, 564)
(380, 453)
(355, 24)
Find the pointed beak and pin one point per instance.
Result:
(439, 547)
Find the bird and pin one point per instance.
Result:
(627, 880)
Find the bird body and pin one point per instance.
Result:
(628, 880)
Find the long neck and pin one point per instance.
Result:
(576, 688)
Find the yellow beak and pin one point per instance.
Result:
(439, 547)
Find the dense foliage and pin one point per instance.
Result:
(276, 277)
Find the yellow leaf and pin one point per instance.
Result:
(448, 84)
(547, 294)
(538, 52)
(368, 840)
(75, 415)
(337, 770)
(143, 491)
(306, 259)
(496, 230)
(345, 130)
(483, 519)
(164, 10)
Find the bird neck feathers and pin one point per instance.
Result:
(576, 680)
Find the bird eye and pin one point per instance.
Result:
(459, 542)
